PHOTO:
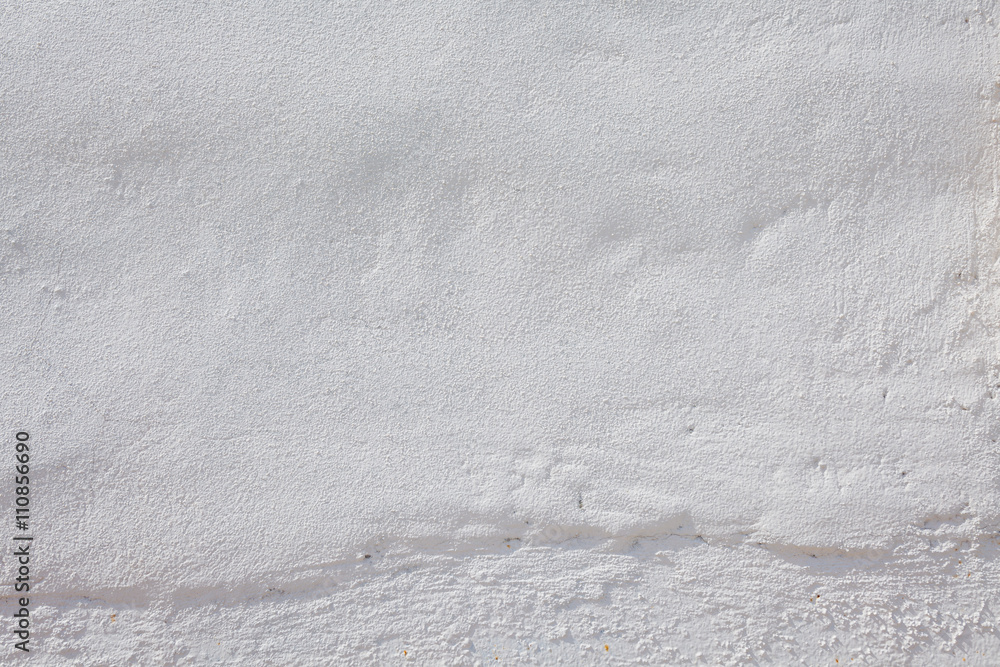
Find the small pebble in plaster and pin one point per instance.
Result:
(367, 556)
(607, 648)
(113, 617)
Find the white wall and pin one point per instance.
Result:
(630, 332)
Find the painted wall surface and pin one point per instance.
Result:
(606, 332)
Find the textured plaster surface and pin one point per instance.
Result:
(504, 333)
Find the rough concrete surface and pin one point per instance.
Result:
(469, 333)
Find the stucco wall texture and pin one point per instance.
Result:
(467, 333)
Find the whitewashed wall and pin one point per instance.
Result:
(475, 333)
